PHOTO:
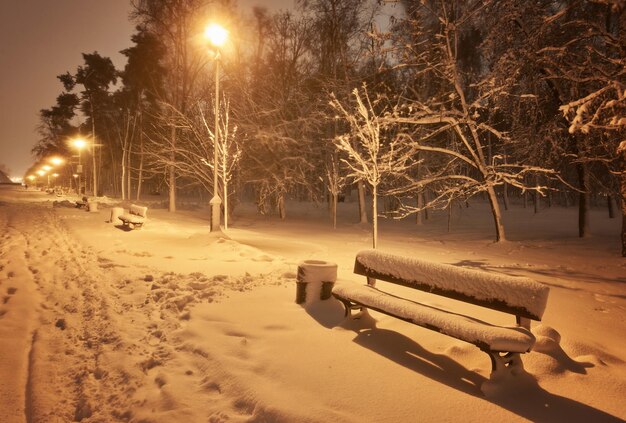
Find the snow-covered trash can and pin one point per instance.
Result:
(115, 213)
(315, 281)
(92, 206)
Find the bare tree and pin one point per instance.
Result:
(371, 154)
(444, 113)
(229, 152)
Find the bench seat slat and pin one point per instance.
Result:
(484, 335)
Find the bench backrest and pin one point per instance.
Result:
(520, 296)
(138, 210)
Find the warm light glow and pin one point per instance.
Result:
(79, 143)
(75, 175)
(31, 177)
(41, 172)
(216, 34)
(56, 161)
(55, 175)
(46, 168)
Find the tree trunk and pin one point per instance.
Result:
(129, 162)
(333, 209)
(621, 154)
(420, 203)
(140, 173)
(536, 196)
(497, 216)
(362, 208)
(505, 195)
(374, 216)
(609, 203)
(449, 217)
(93, 148)
(225, 186)
(172, 175)
(583, 203)
(124, 172)
(549, 198)
(281, 206)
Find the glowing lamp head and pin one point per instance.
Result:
(31, 177)
(79, 143)
(55, 175)
(216, 34)
(56, 161)
(46, 168)
(41, 172)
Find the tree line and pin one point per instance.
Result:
(443, 101)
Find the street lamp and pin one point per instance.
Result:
(217, 36)
(31, 178)
(44, 171)
(79, 144)
(56, 160)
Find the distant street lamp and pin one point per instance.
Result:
(217, 36)
(56, 161)
(44, 171)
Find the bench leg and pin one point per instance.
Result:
(511, 361)
(349, 307)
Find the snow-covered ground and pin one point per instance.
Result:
(171, 324)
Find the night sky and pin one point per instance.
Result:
(41, 39)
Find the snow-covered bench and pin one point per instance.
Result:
(82, 203)
(135, 217)
(522, 297)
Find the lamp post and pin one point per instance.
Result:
(55, 161)
(217, 36)
(46, 170)
(31, 178)
(79, 144)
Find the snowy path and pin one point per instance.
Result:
(61, 318)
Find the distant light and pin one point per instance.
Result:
(56, 161)
(31, 177)
(216, 34)
(79, 143)
(55, 175)
(46, 168)
(41, 172)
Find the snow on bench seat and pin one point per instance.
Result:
(474, 331)
(136, 216)
(525, 296)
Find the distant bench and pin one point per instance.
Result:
(522, 297)
(82, 203)
(135, 218)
